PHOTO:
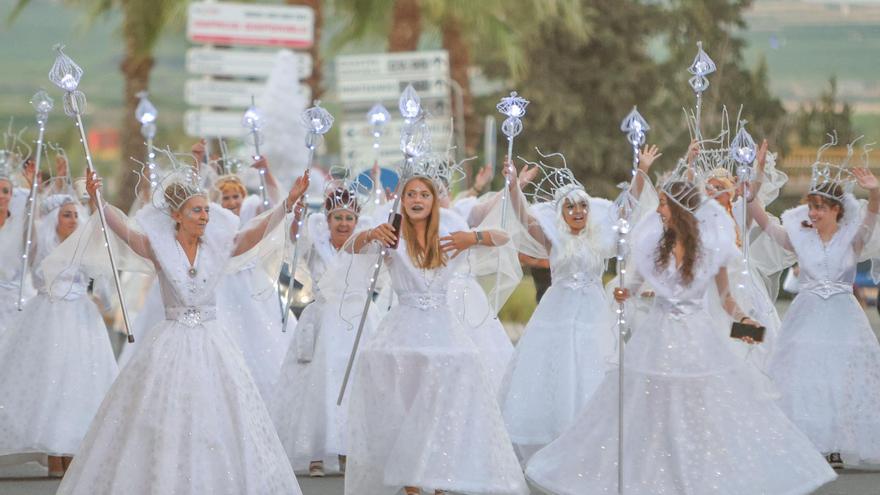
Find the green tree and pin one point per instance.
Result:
(814, 121)
(143, 23)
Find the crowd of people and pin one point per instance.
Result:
(214, 397)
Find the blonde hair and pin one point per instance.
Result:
(230, 183)
(429, 257)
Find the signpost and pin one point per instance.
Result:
(250, 35)
(364, 80)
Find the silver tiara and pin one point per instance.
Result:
(834, 180)
(176, 173)
(555, 183)
(342, 192)
(55, 201)
(440, 168)
(688, 195)
(15, 151)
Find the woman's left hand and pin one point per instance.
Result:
(753, 323)
(457, 242)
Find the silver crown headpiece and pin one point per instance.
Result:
(181, 181)
(555, 183)
(344, 193)
(440, 168)
(683, 187)
(56, 201)
(834, 180)
(15, 151)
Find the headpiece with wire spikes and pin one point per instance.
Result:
(834, 180)
(556, 182)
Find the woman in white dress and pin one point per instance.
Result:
(692, 423)
(310, 424)
(564, 351)
(57, 360)
(13, 223)
(423, 413)
(184, 415)
(826, 364)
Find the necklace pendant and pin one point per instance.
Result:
(192, 272)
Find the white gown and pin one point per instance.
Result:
(692, 423)
(248, 301)
(422, 410)
(11, 247)
(184, 416)
(303, 405)
(827, 360)
(57, 363)
(564, 351)
(469, 303)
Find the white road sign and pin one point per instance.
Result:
(395, 65)
(230, 94)
(223, 23)
(389, 89)
(199, 123)
(240, 62)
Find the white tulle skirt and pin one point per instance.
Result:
(826, 365)
(9, 312)
(57, 366)
(249, 305)
(148, 318)
(692, 425)
(184, 417)
(471, 307)
(559, 361)
(310, 424)
(423, 413)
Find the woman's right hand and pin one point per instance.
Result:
(621, 295)
(383, 233)
(93, 184)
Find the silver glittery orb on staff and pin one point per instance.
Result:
(636, 128)
(743, 151)
(251, 122)
(146, 114)
(701, 67)
(66, 74)
(317, 121)
(43, 104)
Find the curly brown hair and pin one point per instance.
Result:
(681, 227)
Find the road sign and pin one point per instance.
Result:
(230, 94)
(395, 65)
(390, 88)
(240, 62)
(223, 23)
(214, 124)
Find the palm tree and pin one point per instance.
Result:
(465, 26)
(143, 22)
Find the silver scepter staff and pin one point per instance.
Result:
(378, 117)
(700, 68)
(42, 103)
(251, 121)
(318, 122)
(743, 151)
(66, 74)
(514, 107)
(635, 127)
(146, 114)
(415, 140)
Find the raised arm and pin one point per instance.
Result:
(867, 181)
(249, 237)
(647, 156)
(521, 205)
(137, 241)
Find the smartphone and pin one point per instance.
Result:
(740, 330)
(395, 220)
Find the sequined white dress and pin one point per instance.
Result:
(248, 301)
(57, 362)
(693, 425)
(303, 405)
(184, 416)
(422, 410)
(826, 362)
(564, 353)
